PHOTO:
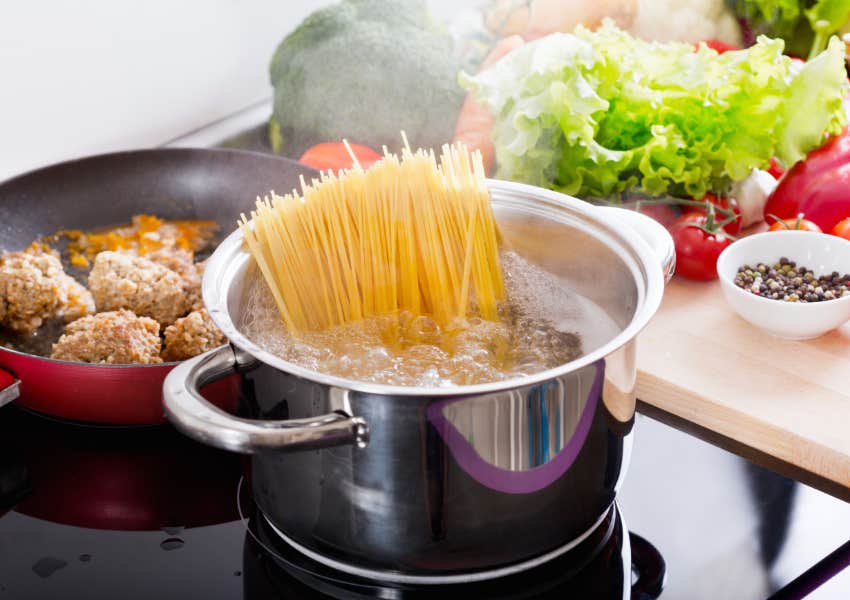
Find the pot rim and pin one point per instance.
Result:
(228, 258)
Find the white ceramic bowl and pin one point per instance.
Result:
(790, 320)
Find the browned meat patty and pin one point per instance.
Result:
(115, 337)
(78, 300)
(194, 292)
(34, 287)
(120, 280)
(192, 335)
(182, 262)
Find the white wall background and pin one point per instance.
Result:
(94, 76)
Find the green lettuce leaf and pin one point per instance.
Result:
(600, 113)
(813, 104)
(805, 25)
(777, 18)
(825, 18)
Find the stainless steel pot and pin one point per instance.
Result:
(434, 484)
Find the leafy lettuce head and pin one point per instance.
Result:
(599, 113)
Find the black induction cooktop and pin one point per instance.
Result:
(106, 513)
(609, 564)
(146, 513)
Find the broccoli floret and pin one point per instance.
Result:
(365, 70)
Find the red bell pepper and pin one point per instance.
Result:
(818, 187)
(334, 156)
(717, 46)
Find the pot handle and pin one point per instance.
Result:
(189, 412)
(652, 232)
(9, 387)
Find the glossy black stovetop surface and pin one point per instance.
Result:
(146, 513)
(600, 567)
(609, 563)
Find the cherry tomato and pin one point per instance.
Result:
(796, 224)
(733, 227)
(775, 170)
(334, 156)
(696, 250)
(842, 229)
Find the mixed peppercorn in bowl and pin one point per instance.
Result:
(792, 284)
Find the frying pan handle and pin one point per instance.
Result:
(189, 412)
(9, 387)
(652, 232)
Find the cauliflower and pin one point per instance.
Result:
(685, 21)
(654, 20)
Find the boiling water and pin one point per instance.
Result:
(544, 324)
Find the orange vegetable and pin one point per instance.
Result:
(842, 229)
(334, 156)
(145, 234)
(475, 120)
(796, 224)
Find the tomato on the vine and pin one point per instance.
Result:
(733, 227)
(697, 249)
(796, 224)
(842, 229)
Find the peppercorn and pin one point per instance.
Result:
(784, 280)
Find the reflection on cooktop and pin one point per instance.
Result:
(146, 513)
(608, 564)
(142, 513)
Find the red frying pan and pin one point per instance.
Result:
(95, 192)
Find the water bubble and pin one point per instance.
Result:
(544, 324)
(47, 566)
(172, 544)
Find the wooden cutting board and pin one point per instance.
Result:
(700, 362)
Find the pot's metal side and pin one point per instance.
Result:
(445, 485)
(471, 478)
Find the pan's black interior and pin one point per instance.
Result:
(106, 190)
(177, 183)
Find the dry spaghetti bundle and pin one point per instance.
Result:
(415, 233)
